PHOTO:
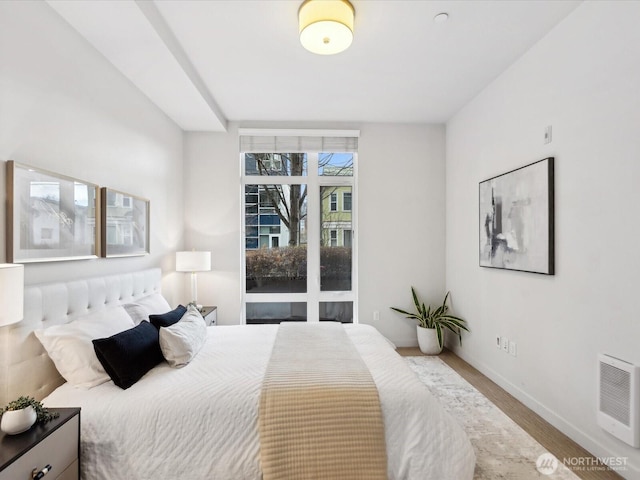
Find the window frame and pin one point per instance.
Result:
(314, 181)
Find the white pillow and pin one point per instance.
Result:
(71, 349)
(145, 306)
(181, 341)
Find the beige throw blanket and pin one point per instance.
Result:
(320, 415)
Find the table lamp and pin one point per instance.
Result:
(193, 262)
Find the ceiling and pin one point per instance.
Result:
(205, 63)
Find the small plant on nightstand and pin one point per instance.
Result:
(43, 415)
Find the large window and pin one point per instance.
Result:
(299, 225)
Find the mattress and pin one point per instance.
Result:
(201, 421)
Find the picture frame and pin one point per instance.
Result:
(124, 224)
(516, 219)
(50, 217)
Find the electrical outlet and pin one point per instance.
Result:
(376, 315)
(513, 349)
(498, 342)
(505, 344)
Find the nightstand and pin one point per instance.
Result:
(56, 443)
(210, 315)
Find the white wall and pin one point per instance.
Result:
(64, 108)
(583, 78)
(212, 217)
(401, 218)
(402, 224)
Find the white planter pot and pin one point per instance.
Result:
(428, 341)
(18, 421)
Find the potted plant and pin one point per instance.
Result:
(21, 414)
(432, 322)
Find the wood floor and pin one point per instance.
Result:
(548, 436)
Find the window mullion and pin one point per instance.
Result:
(313, 239)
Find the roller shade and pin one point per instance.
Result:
(265, 143)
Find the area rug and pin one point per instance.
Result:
(503, 449)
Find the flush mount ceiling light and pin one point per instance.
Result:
(326, 26)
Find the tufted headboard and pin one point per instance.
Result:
(25, 367)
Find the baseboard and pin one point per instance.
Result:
(404, 342)
(576, 434)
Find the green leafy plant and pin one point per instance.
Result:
(44, 415)
(436, 317)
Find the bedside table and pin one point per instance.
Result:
(56, 443)
(210, 315)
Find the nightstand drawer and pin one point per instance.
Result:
(59, 449)
(210, 315)
(71, 473)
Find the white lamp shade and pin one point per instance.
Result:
(11, 293)
(326, 26)
(193, 261)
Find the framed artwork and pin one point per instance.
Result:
(516, 219)
(50, 217)
(124, 224)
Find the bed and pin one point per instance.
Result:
(201, 421)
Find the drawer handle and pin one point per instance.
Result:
(37, 475)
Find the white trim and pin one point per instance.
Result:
(275, 298)
(243, 239)
(295, 132)
(314, 230)
(274, 180)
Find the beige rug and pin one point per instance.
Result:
(503, 449)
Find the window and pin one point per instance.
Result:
(299, 262)
(346, 238)
(111, 234)
(111, 198)
(334, 202)
(334, 238)
(346, 201)
(275, 164)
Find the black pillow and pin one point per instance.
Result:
(169, 318)
(128, 355)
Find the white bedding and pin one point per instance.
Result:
(200, 421)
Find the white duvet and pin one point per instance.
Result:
(200, 421)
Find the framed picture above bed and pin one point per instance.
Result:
(50, 217)
(517, 221)
(124, 224)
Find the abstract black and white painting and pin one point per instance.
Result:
(516, 219)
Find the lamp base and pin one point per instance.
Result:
(197, 305)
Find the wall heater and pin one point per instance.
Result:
(619, 394)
